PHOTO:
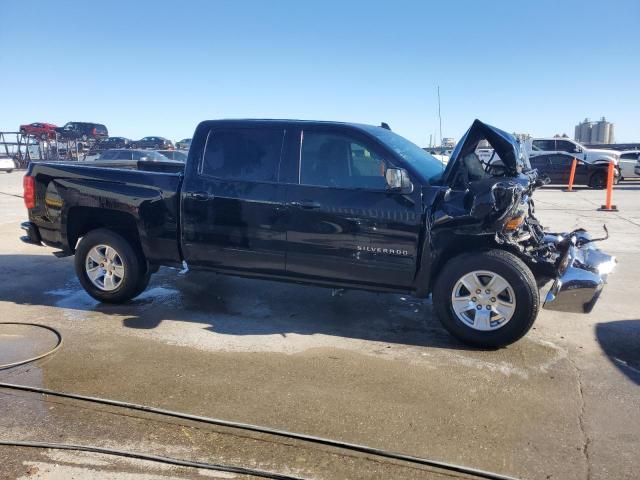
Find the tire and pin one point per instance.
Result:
(598, 180)
(9, 171)
(143, 282)
(524, 305)
(127, 262)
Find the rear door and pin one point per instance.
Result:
(560, 168)
(345, 226)
(232, 204)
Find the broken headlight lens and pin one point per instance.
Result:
(514, 223)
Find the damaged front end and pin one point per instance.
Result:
(488, 204)
(582, 273)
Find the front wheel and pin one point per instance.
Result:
(486, 299)
(109, 268)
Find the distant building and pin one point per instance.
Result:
(448, 142)
(521, 137)
(594, 132)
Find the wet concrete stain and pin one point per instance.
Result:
(21, 342)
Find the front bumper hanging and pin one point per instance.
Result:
(582, 276)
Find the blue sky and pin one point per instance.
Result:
(158, 68)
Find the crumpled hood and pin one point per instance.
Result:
(505, 145)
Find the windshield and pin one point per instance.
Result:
(422, 162)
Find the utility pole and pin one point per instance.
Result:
(439, 116)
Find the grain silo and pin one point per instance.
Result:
(585, 131)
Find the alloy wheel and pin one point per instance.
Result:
(483, 300)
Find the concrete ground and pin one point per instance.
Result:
(563, 403)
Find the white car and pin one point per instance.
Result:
(6, 163)
(540, 146)
(628, 161)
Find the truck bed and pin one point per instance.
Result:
(137, 196)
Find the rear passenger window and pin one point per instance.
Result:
(243, 154)
(334, 160)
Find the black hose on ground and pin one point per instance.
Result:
(151, 458)
(270, 431)
(33, 359)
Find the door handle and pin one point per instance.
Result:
(306, 204)
(200, 196)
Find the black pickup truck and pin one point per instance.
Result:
(333, 204)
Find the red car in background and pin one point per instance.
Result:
(41, 130)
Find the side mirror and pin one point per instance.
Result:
(398, 180)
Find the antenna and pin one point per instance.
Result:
(440, 117)
(440, 120)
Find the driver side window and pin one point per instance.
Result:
(337, 160)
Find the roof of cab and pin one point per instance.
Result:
(281, 121)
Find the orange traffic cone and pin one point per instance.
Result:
(572, 176)
(608, 207)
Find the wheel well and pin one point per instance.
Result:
(81, 220)
(457, 248)
(595, 173)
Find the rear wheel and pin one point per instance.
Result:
(598, 180)
(109, 268)
(486, 299)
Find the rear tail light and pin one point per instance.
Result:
(93, 132)
(29, 191)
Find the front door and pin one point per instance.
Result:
(232, 206)
(344, 224)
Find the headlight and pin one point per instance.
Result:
(514, 223)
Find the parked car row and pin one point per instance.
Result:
(86, 131)
(542, 146)
(557, 166)
(70, 131)
(553, 157)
